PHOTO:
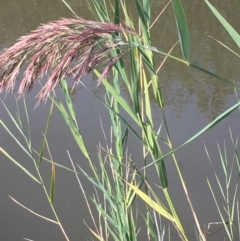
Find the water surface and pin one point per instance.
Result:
(192, 100)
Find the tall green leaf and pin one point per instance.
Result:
(117, 12)
(52, 183)
(45, 135)
(182, 28)
(210, 125)
(232, 32)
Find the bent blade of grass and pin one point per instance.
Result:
(19, 165)
(156, 206)
(232, 32)
(182, 28)
(213, 123)
(209, 126)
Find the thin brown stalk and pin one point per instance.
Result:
(31, 211)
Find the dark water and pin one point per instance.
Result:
(192, 101)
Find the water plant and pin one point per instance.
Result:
(66, 50)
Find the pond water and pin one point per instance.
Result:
(192, 101)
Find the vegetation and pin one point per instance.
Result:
(71, 48)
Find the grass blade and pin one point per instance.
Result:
(19, 165)
(156, 206)
(210, 125)
(52, 183)
(117, 12)
(69, 7)
(45, 135)
(232, 32)
(214, 75)
(75, 132)
(182, 28)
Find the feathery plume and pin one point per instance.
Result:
(60, 49)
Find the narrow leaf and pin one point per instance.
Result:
(210, 125)
(121, 101)
(75, 131)
(182, 28)
(117, 12)
(45, 135)
(19, 165)
(232, 32)
(156, 206)
(69, 7)
(52, 183)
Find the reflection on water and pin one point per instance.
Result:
(192, 100)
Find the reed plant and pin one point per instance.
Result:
(68, 49)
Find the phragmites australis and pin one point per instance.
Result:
(60, 49)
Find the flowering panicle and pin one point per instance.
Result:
(64, 48)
